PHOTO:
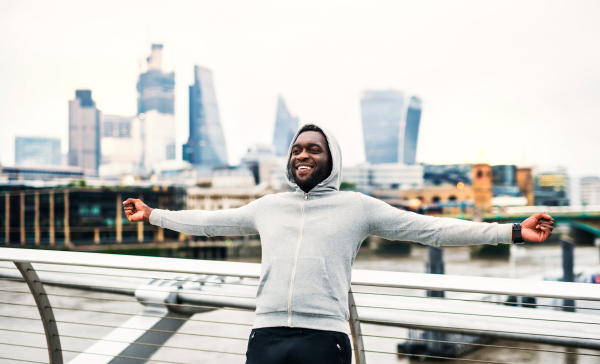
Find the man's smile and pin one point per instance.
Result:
(303, 167)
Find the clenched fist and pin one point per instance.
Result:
(136, 210)
(537, 228)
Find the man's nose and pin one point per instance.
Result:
(303, 155)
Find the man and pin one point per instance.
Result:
(309, 239)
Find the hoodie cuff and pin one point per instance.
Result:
(505, 233)
(155, 217)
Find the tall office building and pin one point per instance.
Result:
(84, 132)
(37, 151)
(121, 145)
(390, 126)
(156, 110)
(286, 126)
(590, 191)
(206, 145)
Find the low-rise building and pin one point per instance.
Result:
(367, 177)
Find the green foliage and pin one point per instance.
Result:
(347, 186)
(80, 183)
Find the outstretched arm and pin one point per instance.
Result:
(238, 221)
(391, 223)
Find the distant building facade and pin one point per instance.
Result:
(390, 122)
(84, 133)
(156, 110)
(286, 126)
(590, 191)
(37, 151)
(552, 189)
(206, 145)
(525, 183)
(121, 145)
(261, 160)
(504, 178)
(482, 186)
(447, 174)
(63, 216)
(387, 176)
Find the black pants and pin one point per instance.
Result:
(285, 345)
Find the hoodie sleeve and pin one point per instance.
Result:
(240, 221)
(391, 223)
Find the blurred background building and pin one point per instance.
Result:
(206, 144)
(156, 110)
(447, 174)
(367, 177)
(390, 121)
(590, 191)
(286, 125)
(552, 189)
(121, 145)
(84, 133)
(31, 151)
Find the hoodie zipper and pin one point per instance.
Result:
(295, 263)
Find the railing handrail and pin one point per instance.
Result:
(501, 286)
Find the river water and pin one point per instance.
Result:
(95, 311)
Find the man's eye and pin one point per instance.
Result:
(315, 150)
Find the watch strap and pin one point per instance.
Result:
(517, 232)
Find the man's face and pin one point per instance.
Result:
(311, 160)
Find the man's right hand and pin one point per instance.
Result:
(136, 210)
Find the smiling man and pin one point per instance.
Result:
(309, 240)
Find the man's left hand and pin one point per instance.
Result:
(537, 228)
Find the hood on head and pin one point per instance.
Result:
(335, 178)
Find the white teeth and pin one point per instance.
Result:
(304, 167)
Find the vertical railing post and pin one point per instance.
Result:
(45, 309)
(357, 342)
(568, 261)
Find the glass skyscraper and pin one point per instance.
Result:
(156, 88)
(206, 145)
(286, 126)
(156, 110)
(390, 122)
(84, 132)
(37, 151)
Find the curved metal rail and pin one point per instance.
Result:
(43, 304)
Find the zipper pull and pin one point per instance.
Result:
(305, 196)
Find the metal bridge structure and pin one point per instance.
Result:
(584, 221)
(196, 308)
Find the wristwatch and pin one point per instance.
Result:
(517, 233)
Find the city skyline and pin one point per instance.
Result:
(495, 73)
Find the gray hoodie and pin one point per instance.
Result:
(309, 242)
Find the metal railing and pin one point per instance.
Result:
(130, 309)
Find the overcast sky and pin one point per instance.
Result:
(509, 82)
